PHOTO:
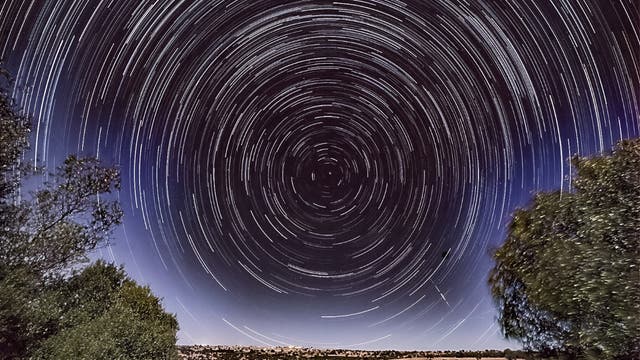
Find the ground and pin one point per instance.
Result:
(200, 352)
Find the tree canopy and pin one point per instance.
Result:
(105, 315)
(567, 277)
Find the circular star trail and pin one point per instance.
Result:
(346, 163)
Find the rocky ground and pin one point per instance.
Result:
(201, 352)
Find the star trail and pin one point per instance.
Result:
(325, 173)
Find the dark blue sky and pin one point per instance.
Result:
(317, 173)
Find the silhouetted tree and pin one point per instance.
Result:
(108, 316)
(568, 276)
(46, 232)
(64, 220)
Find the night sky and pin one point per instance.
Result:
(318, 173)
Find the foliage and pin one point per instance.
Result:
(108, 316)
(46, 309)
(567, 278)
(25, 315)
(60, 222)
(14, 140)
(64, 220)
